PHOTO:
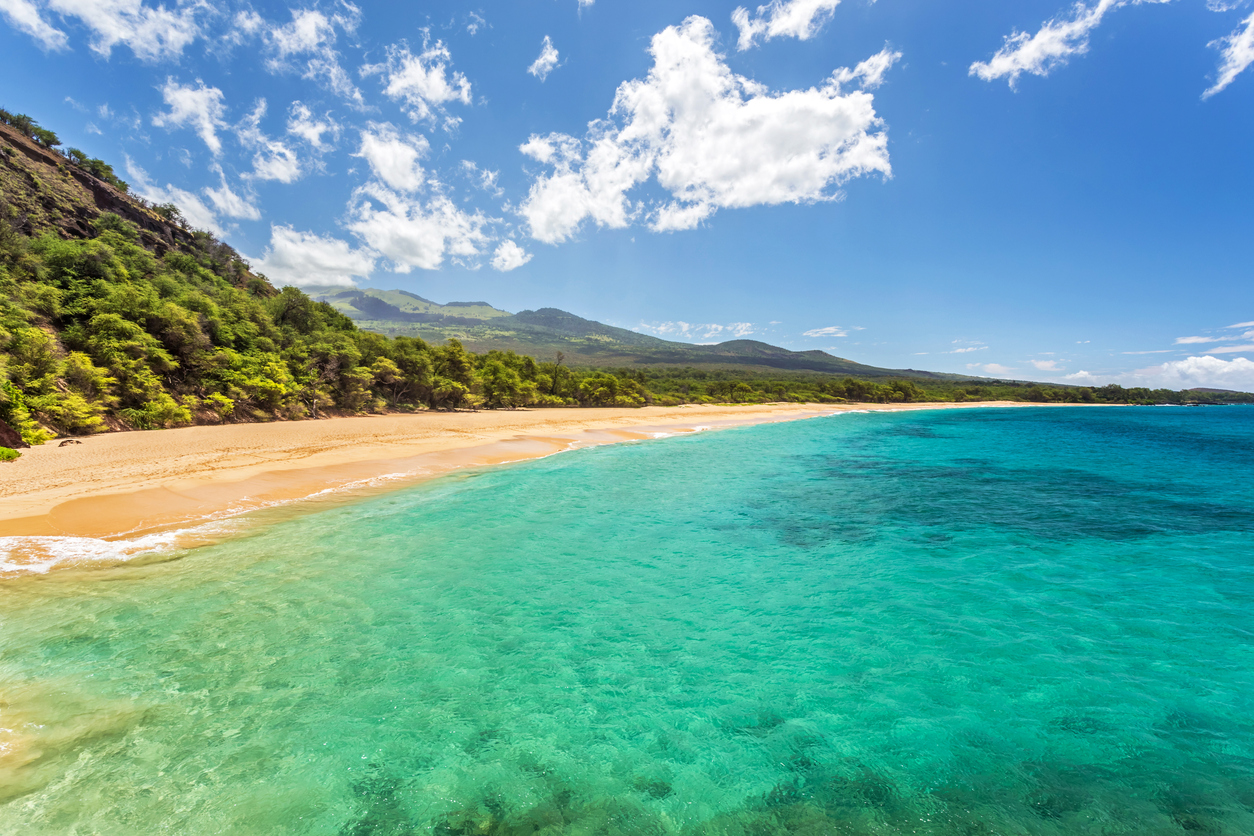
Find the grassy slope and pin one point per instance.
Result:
(545, 332)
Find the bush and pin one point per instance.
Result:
(8, 455)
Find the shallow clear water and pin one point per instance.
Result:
(1015, 621)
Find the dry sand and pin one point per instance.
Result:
(126, 484)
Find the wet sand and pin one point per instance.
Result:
(128, 484)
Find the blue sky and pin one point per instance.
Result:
(1032, 190)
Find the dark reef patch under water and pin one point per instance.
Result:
(1029, 621)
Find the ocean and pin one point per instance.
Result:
(989, 621)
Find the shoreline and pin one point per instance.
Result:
(131, 488)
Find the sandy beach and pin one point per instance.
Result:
(128, 484)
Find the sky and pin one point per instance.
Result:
(1031, 190)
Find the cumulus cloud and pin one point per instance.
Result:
(307, 45)
(690, 331)
(151, 33)
(423, 82)
(1055, 42)
(198, 215)
(200, 108)
(302, 123)
(509, 256)
(712, 138)
(393, 158)
(830, 331)
(1046, 365)
(273, 159)
(305, 258)
(1236, 53)
(24, 16)
(799, 19)
(1192, 372)
(413, 231)
(543, 65)
(231, 204)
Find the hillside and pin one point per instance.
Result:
(115, 315)
(583, 342)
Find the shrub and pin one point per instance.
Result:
(8, 454)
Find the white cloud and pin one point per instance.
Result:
(151, 34)
(273, 159)
(200, 108)
(1055, 42)
(1192, 372)
(474, 23)
(712, 138)
(1046, 365)
(871, 71)
(1194, 340)
(483, 178)
(424, 81)
(800, 19)
(233, 205)
(830, 331)
(543, 65)
(304, 258)
(245, 25)
(1237, 373)
(302, 123)
(690, 331)
(1232, 349)
(1249, 324)
(307, 45)
(995, 369)
(25, 16)
(413, 233)
(509, 256)
(1236, 53)
(967, 349)
(198, 215)
(393, 158)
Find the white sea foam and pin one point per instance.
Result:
(39, 555)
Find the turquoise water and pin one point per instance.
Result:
(1015, 621)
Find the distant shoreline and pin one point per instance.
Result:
(126, 485)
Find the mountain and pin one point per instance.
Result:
(584, 342)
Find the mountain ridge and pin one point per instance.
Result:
(547, 331)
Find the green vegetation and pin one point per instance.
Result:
(101, 333)
(104, 325)
(31, 129)
(8, 454)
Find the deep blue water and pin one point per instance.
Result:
(994, 621)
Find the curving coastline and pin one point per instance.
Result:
(136, 487)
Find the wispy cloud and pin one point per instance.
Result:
(799, 19)
(1051, 46)
(1236, 53)
(692, 331)
(544, 64)
(830, 331)
(1231, 349)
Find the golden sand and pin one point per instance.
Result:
(128, 483)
